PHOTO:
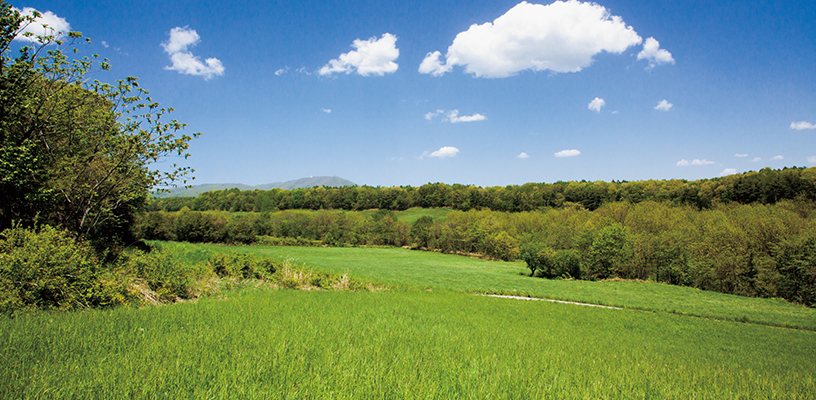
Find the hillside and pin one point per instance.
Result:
(302, 183)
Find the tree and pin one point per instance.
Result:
(77, 153)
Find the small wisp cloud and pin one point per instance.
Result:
(444, 152)
(568, 153)
(523, 155)
(802, 125)
(453, 117)
(652, 52)
(664, 105)
(177, 46)
(596, 105)
(696, 161)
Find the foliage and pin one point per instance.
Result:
(76, 153)
(229, 265)
(794, 186)
(750, 250)
(47, 269)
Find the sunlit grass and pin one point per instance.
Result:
(426, 336)
(428, 270)
(266, 343)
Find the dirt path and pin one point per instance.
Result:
(550, 300)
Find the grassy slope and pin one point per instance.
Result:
(401, 344)
(440, 271)
(412, 343)
(412, 214)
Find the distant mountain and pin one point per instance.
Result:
(331, 181)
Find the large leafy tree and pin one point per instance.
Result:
(76, 153)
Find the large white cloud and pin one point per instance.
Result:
(560, 37)
(596, 104)
(652, 52)
(568, 153)
(802, 125)
(48, 24)
(372, 57)
(183, 60)
(728, 171)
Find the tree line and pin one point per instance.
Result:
(751, 250)
(767, 186)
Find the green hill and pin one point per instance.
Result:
(313, 181)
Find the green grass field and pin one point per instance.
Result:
(428, 270)
(426, 337)
(412, 214)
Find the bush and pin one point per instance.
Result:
(164, 273)
(545, 262)
(241, 266)
(49, 270)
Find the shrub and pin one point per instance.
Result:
(163, 272)
(47, 269)
(241, 266)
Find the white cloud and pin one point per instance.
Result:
(812, 159)
(453, 117)
(183, 60)
(652, 52)
(559, 37)
(446, 151)
(802, 125)
(429, 116)
(48, 24)
(326, 110)
(372, 57)
(757, 159)
(281, 71)
(302, 70)
(105, 44)
(595, 105)
(696, 161)
(432, 65)
(740, 155)
(523, 155)
(664, 105)
(568, 153)
(728, 171)
(776, 158)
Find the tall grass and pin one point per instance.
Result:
(266, 343)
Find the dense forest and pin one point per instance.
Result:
(767, 186)
(765, 250)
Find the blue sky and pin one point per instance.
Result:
(518, 92)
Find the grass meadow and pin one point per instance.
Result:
(427, 337)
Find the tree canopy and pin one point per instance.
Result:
(74, 152)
